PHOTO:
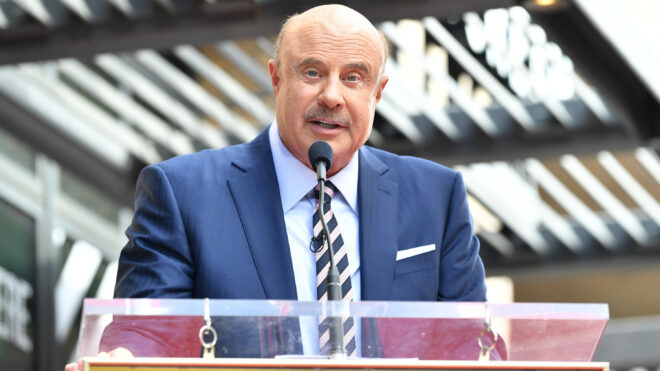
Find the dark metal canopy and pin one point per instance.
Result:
(154, 79)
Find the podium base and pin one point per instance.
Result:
(306, 364)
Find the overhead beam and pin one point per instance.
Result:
(209, 22)
(169, 107)
(547, 144)
(629, 99)
(119, 186)
(494, 184)
(610, 203)
(197, 96)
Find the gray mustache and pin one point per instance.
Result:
(319, 112)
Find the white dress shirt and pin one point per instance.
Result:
(297, 182)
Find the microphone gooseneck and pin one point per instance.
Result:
(320, 157)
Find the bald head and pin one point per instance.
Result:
(334, 18)
(327, 77)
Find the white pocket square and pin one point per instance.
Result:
(404, 254)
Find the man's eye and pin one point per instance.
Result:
(312, 73)
(352, 78)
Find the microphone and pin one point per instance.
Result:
(320, 157)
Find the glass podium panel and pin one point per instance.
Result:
(401, 330)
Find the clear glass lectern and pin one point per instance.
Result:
(456, 331)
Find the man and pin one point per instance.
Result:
(236, 223)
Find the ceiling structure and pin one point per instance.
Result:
(549, 114)
(549, 108)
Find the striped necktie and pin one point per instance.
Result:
(322, 267)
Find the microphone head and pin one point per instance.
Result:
(320, 151)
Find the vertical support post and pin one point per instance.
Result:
(46, 265)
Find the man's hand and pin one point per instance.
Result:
(115, 353)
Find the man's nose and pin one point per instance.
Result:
(331, 94)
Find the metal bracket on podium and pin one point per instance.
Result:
(484, 350)
(207, 329)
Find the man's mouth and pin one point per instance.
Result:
(326, 124)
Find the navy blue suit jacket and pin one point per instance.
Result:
(211, 224)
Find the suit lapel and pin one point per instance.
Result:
(378, 197)
(254, 188)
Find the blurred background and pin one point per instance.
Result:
(549, 108)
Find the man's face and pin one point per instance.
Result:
(326, 85)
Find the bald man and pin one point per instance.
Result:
(236, 223)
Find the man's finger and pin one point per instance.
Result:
(120, 353)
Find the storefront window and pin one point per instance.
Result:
(17, 289)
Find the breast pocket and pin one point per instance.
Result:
(416, 277)
(415, 263)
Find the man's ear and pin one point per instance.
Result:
(274, 76)
(381, 85)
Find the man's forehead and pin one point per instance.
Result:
(313, 39)
(332, 37)
(326, 28)
(331, 22)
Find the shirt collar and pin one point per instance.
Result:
(296, 180)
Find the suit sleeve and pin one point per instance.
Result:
(156, 261)
(462, 276)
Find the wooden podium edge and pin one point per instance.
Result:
(168, 364)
